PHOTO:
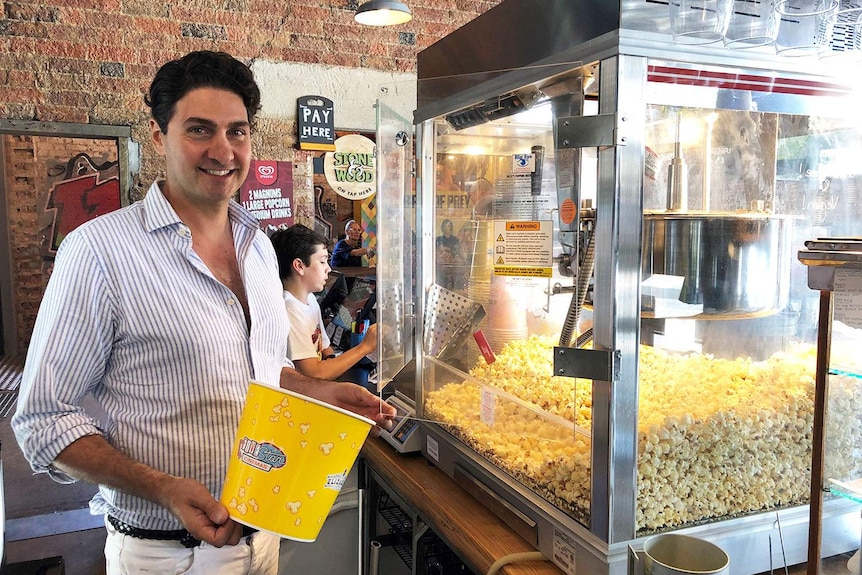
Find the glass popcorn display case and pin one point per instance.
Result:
(617, 337)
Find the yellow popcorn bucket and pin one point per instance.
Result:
(289, 461)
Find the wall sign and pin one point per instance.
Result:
(315, 123)
(268, 194)
(351, 169)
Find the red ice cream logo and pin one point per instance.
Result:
(266, 173)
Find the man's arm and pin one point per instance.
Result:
(340, 253)
(345, 395)
(92, 458)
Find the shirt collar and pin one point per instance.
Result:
(158, 212)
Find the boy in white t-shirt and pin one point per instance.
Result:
(303, 265)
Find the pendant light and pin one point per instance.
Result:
(383, 13)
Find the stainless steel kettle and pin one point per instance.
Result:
(733, 264)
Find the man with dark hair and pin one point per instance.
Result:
(203, 69)
(448, 239)
(303, 268)
(163, 311)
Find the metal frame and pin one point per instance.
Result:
(623, 81)
(822, 265)
(373, 485)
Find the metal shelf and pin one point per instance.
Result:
(432, 555)
(400, 528)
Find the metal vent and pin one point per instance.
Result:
(494, 109)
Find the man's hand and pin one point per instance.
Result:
(345, 395)
(359, 400)
(203, 516)
(93, 459)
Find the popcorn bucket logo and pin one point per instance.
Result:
(289, 461)
(335, 481)
(265, 172)
(263, 456)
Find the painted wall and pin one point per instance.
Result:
(353, 90)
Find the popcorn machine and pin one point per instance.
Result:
(616, 339)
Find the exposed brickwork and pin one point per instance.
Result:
(24, 233)
(33, 164)
(86, 62)
(80, 61)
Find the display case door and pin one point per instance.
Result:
(396, 242)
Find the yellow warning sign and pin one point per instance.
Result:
(523, 226)
(522, 271)
(523, 248)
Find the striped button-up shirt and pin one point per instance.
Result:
(134, 317)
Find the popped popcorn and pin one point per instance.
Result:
(716, 438)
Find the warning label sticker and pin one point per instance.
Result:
(522, 272)
(523, 248)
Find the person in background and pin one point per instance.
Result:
(482, 198)
(349, 251)
(303, 268)
(448, 258)
(448, 240)
(163, 311)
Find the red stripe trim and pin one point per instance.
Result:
(728, 80)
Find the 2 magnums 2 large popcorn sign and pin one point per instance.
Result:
(268, 193)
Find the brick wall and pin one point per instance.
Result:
(32, 166)
(25, 263)
(90, 62)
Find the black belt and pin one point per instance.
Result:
(184, 537)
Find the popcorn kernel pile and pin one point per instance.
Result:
(716, 438)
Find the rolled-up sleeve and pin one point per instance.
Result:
(66, 359)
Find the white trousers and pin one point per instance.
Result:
(256, 554)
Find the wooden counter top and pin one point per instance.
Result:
(478, 535)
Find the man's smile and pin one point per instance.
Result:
(217, 172)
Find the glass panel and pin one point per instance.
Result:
(497, 302)
(516, 422)
(396, 243)
(842, 457)
(728, 330)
